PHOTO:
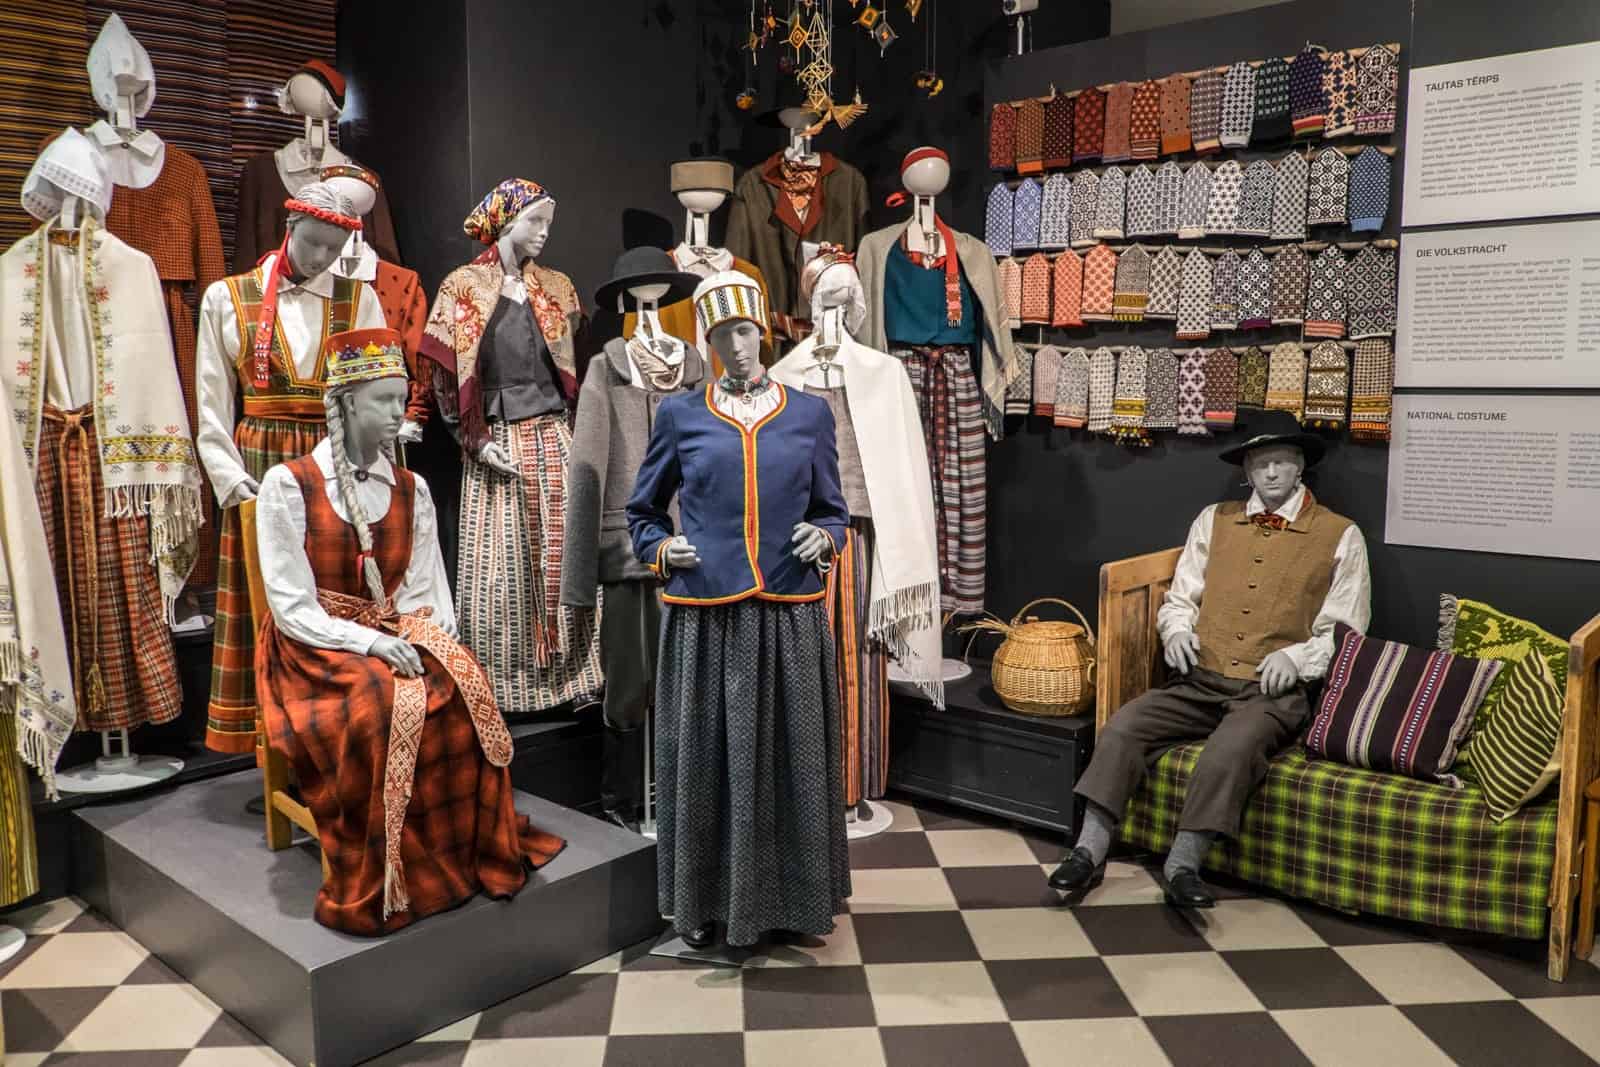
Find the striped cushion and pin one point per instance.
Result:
(1395, 707)
(1516, 754)
(1473, 628)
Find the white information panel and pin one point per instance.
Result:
(1516, 474)
(1514, 307)
(1507, 137)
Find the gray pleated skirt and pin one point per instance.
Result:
(749, 780)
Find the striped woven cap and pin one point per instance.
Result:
(729, 295)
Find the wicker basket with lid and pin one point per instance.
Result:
(1042, 667)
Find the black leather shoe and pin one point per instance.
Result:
(1186, 890)
(702, 936)
(1077, 873)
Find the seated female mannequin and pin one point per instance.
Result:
(361, 683)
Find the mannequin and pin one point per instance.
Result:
(701, 186)
(622, 393)
(161, 205)
(934, 301)
(113, 465)
(748, 763)
(405, 307)
(787, 205)
(885, 600)
(502, 334)
(260, 348)
(315, 92)
(1243, 692)
(363, 686)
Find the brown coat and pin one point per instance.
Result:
(763, 228)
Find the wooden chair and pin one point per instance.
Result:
(284, 812)
(1129, 663)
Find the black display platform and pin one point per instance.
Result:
(979, 754)
(187, 874)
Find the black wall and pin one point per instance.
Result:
(1061, 503)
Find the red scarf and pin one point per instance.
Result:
(267, 318)
(951, 262)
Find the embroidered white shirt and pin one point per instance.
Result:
(746, 409)
(286, 572)
(1349, 598)
(302, 309)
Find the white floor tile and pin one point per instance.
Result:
(1376, 1036)
(1420, 974)
(855, 1047)
(260, 1056)
(1181, 983)
(980, 848)
(678, 1002)
(104, 958)
(1089, 1043)
(543, 1051)
(914, 889)
(45, 918)
(1575, 1018)
(1235, 925)
(460, 1030)
(144, 1017)
(924, 994)
(1026, 933)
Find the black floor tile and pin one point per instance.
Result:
(1338, 928)
(1225, 1040)
(89, 922)
(228, 1032)
(577, 1005)
(936, 816)
(141, 1058)
(1047, 847)
(37, 1020)
(32, 944)
(676, 1050)
(1283, 979)
(892, 850)
(913, 937)
(1519, 967)
(153, 972)
(426, 1054)
(1133, 929)
(800, 998)
(1001, 887)
(961, 1045)
(1058, 989)
(1494, 1034)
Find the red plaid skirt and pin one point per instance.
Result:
(109, 591)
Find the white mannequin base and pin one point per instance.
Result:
(951, 670)
(116, 774)
(856, 827)
(11, 940)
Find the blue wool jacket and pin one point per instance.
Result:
(739, 494)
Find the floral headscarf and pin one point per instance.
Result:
(505, 202)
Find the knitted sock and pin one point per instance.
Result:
(1095, 837)
(1188, 849)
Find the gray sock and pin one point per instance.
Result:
(1188, 849)
(1095, 837)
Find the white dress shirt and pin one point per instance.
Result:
(302, 311)
(286, 572)
(1349, 598)
(134, 163)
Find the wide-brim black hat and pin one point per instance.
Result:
(789, 95)
(1275, 428)
(646, 266)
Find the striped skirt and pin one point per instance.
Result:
(952, 427)
(537, 652)
(231, 716)
(750, 798)
(19, 852)
(124, 670)
(863, 670)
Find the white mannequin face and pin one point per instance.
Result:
(305, 95)
(702, 201)
(738, 344)
(525, 238)
(314, 245)
(926, 177)
(649, 294)
(373, 412)
(1274, 473)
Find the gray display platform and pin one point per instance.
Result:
(188, 875)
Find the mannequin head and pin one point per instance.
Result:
(525, 236)
(372, 413)
(313, 243)
(1274, 471)
(797, 120)
(702, 201)
(737, 342)
(649, 294)
(830, 281)
(925, 172)
(119, 67)
(307, 94)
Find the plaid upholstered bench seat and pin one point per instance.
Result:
(1371, 842)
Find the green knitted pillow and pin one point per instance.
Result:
(1518, 753)
(1472, 628)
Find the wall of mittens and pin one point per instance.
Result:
(1073, 260)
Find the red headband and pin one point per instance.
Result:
(300, 207)
(917, 155)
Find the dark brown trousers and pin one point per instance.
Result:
(1241, 726)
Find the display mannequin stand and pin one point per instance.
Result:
(118, 769)
(11, 941)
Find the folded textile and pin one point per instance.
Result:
(1225, 291)
(1329, 189)
(1221, 389)
(1372, 390)
(1192, 393)
(1286, 379)
(1132, 292)
(1036, 290)
(1131, 402)
(1058, 133)
(1194, 298)
(1252, 378)
(1068, 286)
(1369, 190)
(1102, 388)
(1255, 291)
(1085, 197)
(1030, 137)
(1255, 202)
(1161, 390)
(1193, 201)
(1055, 213)
(1325, 294)
(1166, 278)
(1291, 177)
(1072, 390)
(1110, 203)
(1289, 269)
(1327, 385)
(1117, 143)
(1144, 125)
(1046, 368)
(1175, 136)
(1238, 105)
(1308, 96)
(1222, 206)
(1205, 112)
(1099, 283)
(1002, 137)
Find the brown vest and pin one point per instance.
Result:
(1264, 587)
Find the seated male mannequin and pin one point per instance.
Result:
(1247, 624)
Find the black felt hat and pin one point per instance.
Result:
(646, 266)
(1275, 428)
(790, 95)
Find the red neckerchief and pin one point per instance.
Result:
(772, 174)
(267, 317)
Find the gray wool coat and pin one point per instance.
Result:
(613, 427)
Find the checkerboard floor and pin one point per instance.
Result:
(954, 952)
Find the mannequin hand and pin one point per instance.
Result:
(810, 543)
(399, 655)
(245, 490)
(681, 555)
(1182, 651)
(1278, 674)
(493, 456)
(410, 432)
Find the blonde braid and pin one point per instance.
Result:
(343, 471)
